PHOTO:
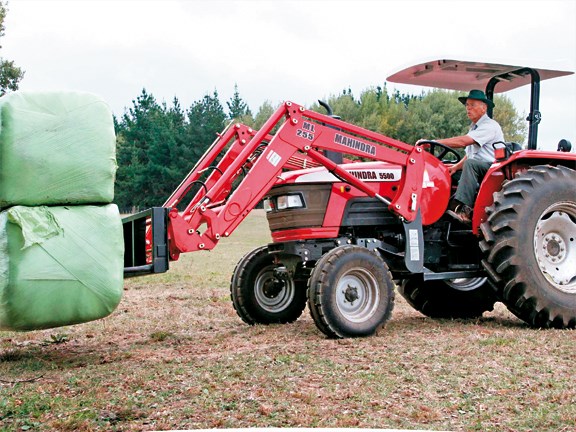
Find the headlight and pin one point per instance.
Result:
(268, 205)
(284, 202)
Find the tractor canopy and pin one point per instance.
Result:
(468, 75)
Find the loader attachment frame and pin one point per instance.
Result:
(146, 242)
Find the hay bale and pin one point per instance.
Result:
(56, 148)
(59, 265)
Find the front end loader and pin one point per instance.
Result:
(353, 214)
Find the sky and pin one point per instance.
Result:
(285, 50)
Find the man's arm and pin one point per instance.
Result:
(457, 142)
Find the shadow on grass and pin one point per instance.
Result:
(16, 364)
(424, 322)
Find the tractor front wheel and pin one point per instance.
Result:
(350, 292)
(530, 246)
(260, 296)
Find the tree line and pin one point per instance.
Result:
(158, 144)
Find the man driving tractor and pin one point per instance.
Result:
(483, 133)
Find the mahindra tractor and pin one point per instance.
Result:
(355, 216)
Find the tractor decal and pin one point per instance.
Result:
(355, 144)
(376, 175)
(273, 157)
(426, 183)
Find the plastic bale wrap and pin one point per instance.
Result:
(59, 265)
(56, 148)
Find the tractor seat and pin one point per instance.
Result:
(503, 150)
(513, 147)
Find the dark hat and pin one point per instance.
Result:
(477, 95)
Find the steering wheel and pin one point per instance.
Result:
(440, 151)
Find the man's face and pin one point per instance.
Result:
(475, 109)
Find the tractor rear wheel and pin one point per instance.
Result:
(530, 246)
(450, 299)
(260, 296)
(350, 292)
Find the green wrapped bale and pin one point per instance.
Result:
(56, 148)
(59, 265)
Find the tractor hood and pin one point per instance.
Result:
(468, 75)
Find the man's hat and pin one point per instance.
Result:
(477, 95)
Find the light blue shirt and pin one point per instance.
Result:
(484, 132)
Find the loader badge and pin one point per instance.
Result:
(307, 131)
(355, 144)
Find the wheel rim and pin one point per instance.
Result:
(555, 245)
(273, 294)
(357, 295)
(466, 284)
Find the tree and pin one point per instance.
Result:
(513, 125)
(264, 113)
(150, 148)
(134, 133)
(206, 118)
(237, 108)
(157, 145)
(344, 106)
(437, 115)
(10, 74)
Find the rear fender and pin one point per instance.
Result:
(506, 170)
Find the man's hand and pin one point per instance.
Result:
(457, 166)
(424, 146)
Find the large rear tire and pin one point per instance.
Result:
(451, 299)
(350, 293)
(261, 297)
(530, 246)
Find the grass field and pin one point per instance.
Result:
(175, 355)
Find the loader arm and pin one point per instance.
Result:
(240, 134)
(215, 210)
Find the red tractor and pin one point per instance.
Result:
(346, 233)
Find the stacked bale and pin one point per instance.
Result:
(61, 245)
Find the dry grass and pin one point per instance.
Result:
(174, 355)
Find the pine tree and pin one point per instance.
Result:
(206, 118)
(150, 145)
(237, 108)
